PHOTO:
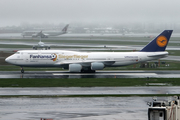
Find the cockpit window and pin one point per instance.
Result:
(17, 53)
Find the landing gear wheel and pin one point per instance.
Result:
(22, 70)
(93, 71)
(82, 71)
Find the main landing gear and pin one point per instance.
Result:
(87, 71)
(22, 70)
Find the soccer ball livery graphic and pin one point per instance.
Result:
(53, 57)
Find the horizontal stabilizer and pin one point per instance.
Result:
(158, 54)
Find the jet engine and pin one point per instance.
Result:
(97, 66)
(75, 68)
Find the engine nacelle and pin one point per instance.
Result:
(75, 68)
(97, 66)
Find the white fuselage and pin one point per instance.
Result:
(59, 58)
(47, 33)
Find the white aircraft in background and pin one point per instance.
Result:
(45, 34)
(90, 61)
(41, 45)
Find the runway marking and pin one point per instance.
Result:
(139, 74)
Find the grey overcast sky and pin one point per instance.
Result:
(15, 12)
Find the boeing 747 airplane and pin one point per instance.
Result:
(90, 61)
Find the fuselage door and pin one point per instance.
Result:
(19, 55)
(24, 57)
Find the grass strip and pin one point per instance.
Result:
(87, 82)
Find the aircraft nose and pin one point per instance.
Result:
(7, 59)
(10, 60)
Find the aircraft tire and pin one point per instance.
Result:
(87, 71)
(92, 71)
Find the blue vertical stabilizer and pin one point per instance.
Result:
(159, 43)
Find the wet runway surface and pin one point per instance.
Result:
(79, 108)
(89, 90)
(98, 74)
(102, 108)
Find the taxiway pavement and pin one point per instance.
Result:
(98, 74)
(75, 108)
(151, 90)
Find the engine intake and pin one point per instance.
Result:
(75, 68)
(97, 66)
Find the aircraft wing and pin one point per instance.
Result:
(86, 62)
(37, 34)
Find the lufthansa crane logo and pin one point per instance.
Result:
(161, 41)
(54, 57)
